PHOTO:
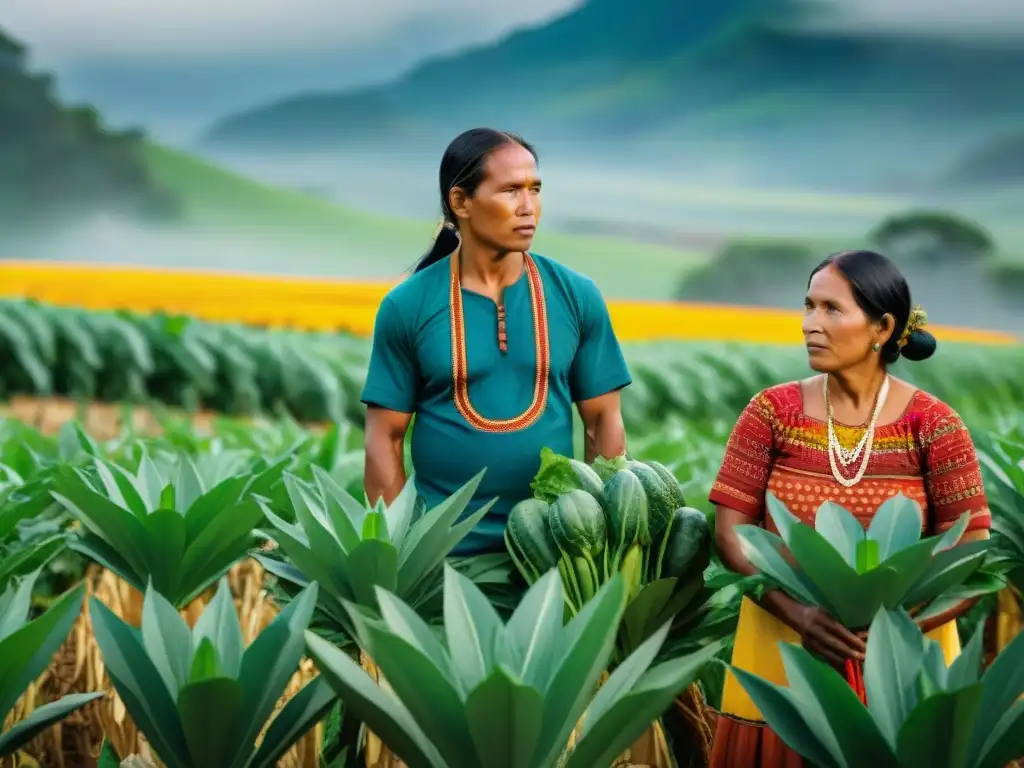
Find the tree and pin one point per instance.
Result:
(933, 236)
(58, 163)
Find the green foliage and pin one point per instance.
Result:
(60, 162)
(933, 236)
(749, 268)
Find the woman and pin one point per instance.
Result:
(799, 441)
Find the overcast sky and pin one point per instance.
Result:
(62, 31)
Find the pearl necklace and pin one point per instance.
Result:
(845, 456)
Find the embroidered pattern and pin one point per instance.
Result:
(460, 368)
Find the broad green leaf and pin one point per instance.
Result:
(638, 620)
(188, 485)
(221, 538)
(424, 692)
(966, 667)
(952, 537)
(345, 513)
(624, 716)
(535, 627)
(833, 710)
(1005, 741)
(164, 548)
(302, 712)
(103, 553)
(400, 513)
(895, 525)
(213, 503)
(784, 519)
(17, 600)
(1003, 686)
(167, 640)
(374, 563)
(587, 642)
(784, 713)
(219, 623)
(436, 520)
(26, 652)
(833, 576)
(840, 529)
(938, 732)
(504, 717)
(270, 661)
(382, 712)
(895, 648)
(138, 683)
(948, 569)
(205, 662)
(41, 718)
(118, 527)
(764, 551)
(210, 711)
(405, 623)
(471, 625)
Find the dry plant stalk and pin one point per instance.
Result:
(78, 668)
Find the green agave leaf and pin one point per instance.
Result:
(896, 525)
(105, 520)
(405, 623)
(895, 647)
(167, 640)
(104, 554)
(376, 563)
(15, 604)
(41, 718)
(907, 566)
(220, 625)
(504, 718)
(952, 537)
(164, 548)
(780, 515)
(1003, 687)
(380, 711)
(302, 712)
(212, 504)
(937, 733)
(966, 668)
(270, 661)
(346, 514)
(1005, 742)
(535, 626)
(210, 711)
(833, 710)
(400, 513)
(787, 715)
(471, 627)
(628, 713)
(220, 539)
(586, 646)
(28, 650)
(764, 550)
(424, 692)
(948, 569)
(139, 684)
(840, 529)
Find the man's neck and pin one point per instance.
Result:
(489, 270)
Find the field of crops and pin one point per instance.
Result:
(204, 596)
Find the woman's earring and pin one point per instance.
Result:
(876, 346)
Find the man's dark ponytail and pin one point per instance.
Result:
(445, 243)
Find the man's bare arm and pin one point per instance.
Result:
(384, 440)
(604, 432)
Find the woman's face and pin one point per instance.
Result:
(505, 209)
(838, 334)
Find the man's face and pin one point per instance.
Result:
(505, 209)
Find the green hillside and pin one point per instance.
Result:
(741, 70)
(363, 245)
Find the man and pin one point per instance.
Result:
(490, 347)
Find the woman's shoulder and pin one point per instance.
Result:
(781, 401)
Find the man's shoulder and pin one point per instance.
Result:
(408, 294)
(575, 283)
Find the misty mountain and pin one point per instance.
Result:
(658, 73)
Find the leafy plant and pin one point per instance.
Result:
(26, 649)
(919, 714)
(350, 550)
(494, 694)
(167, 528)
(852, 573)
(199, 698)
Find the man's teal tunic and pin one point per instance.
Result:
(411, 371)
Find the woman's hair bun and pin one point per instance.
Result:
(920, 346)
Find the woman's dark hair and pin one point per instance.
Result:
(463, 166)
(879, 289)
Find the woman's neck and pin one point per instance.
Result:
(856, 388)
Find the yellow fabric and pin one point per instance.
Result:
(756, 650)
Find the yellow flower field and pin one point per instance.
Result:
(328, 304)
